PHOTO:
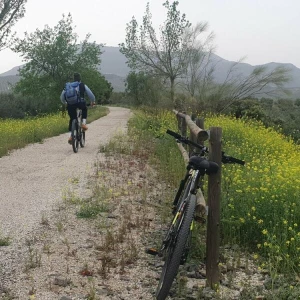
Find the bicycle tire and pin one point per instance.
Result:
(82, 139)
(74, 134)
(176, 250)
(184, 193)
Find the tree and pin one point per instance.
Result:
(260, 82)
(218, 97)
(143, 89)
(135, 85)
(10, 12)
(200, 69)
(101, 88)
(52, 55)
(164, 56)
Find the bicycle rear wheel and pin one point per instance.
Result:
(74, 134)
(176, 249)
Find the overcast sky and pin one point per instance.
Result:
(262, 30)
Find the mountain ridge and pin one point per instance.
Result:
(113, 66)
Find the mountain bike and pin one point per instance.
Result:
(177, 241)
(77, 134)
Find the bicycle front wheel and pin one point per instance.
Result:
(82, 139)
(184, 193)
(176, 249)
(74, 134)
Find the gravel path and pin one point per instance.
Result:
(32, 178)
(51, 250)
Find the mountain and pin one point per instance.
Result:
(114, 68)
(7, 81)
(113, 62)
(12, 72)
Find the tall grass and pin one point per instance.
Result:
(260, 201)
(17, 133)
(150, 126)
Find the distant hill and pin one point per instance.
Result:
(12, 72)
(7, 81)
(114, 68)
(113, 62)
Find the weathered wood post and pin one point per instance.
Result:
(183, 124)
(200, 124)
(179, 123)
(213, 219)
(192, 136)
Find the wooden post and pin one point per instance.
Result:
(201, 134)
(200, 124)
(193, 117)
(192, 137)
(183, 126)
(179, 122)
(213, 219)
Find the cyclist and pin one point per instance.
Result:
(79, 103)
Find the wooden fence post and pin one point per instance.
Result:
(183, 126)
(192, 137)
(213, 219)
(200, 124)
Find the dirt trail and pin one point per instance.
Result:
(52, 253)
(32, 178)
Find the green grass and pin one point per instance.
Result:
(15, 134)
(89, 208)
(4, 241)
(260, 202)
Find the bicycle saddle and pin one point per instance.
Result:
(202, 164)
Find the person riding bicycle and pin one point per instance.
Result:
(78, 102)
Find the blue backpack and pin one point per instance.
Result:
(74, 92)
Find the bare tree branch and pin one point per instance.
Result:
(10, 12)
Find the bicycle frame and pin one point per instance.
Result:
(194, 187)
(78, 135)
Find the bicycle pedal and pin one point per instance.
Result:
(152, 251)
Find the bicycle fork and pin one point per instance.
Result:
(171, 234)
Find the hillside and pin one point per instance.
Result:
(7, 81)
(114, 68)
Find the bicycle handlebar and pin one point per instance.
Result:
(225, 158)
(185, 140)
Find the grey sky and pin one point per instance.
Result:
(262, 30)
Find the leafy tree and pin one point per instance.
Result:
(52, 56)
(135, 84)
(248, 107)
(143, 89)
(101, 88)
(267, 103)
(165, 55)
(10, 12)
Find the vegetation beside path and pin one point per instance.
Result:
(17, 133)
(259, 228)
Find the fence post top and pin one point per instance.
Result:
(203, 135)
